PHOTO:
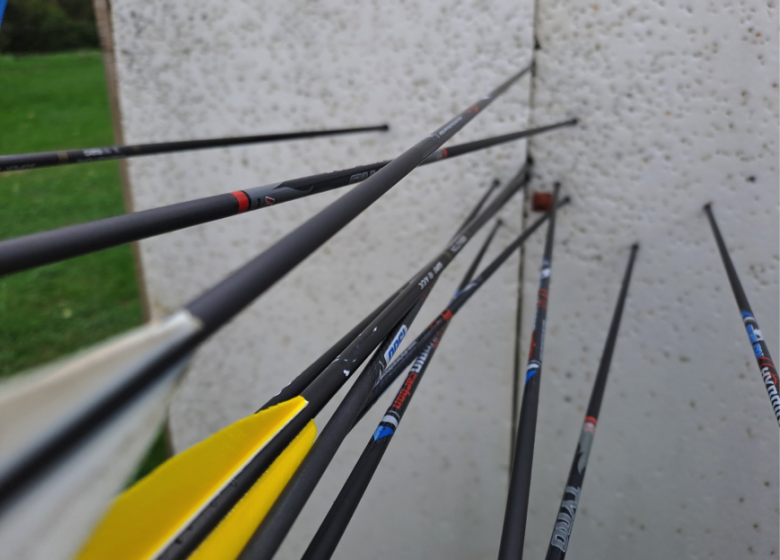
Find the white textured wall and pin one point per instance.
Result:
(198, 69)
(679, 106)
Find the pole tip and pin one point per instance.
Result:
(707, 206)
(635, 246)
(496, 182)
(384, 127)
(575, 121)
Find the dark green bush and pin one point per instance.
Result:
(31, 26)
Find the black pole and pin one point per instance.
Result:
(571, 495)
(222, 302)
(411, 351)
(513, 534)
(760, 349)
(297, 385)
(56, 245)
(65, 157)
(282, 515)
(332, 528)
(330, 380)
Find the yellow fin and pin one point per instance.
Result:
(149, 515)
(228, 539)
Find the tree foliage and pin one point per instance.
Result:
(31, 26)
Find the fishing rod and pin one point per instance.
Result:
(203, 519)
(335, 523)
(297, 385)
(760, 349)
(277, 523)
(66, 157)
(201, 317)
(513, 534)
(571, 495)
(47, 247)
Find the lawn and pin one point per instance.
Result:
(57, 102)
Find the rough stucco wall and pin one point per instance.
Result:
(679, 106)
(198, 69)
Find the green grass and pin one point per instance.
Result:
(48, 103)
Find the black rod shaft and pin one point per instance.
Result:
(340, 514)
(325, 385)
(297, 385)
(410, 353)
(513, 533)
(65, 157)
(223, 301)
(571, 495)
(38, 249)
(269, 536)
(765, 364)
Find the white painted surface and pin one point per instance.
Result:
(685, 461)
(198, 69)
(679, 106)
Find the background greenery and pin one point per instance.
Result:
(48, 26)
(55, 102)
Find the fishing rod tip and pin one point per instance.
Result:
(575, 121)
(384, 127)
(635, 246)
(707, 206)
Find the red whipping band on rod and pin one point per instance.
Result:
(590, 420)
(447, 315)
(243, 201)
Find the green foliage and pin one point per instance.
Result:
(47, 26)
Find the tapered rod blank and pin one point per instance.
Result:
(332, 528)
(765, 364)
(571, 495)
(66, 157)
(212, 309)
(513, 534)
(56, 245)
(274, 528)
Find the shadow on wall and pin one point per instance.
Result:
(36, 26)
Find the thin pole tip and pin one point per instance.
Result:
(496, 182)
(707, 207)
(574, 122)
(635, 247)
(383, 127)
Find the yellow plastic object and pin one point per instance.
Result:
(148, 516)
(229, 538)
